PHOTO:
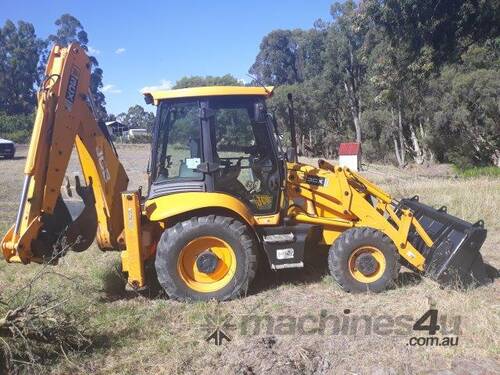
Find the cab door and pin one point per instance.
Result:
(245, 153)
(177, 149)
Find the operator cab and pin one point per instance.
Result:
(216, 139)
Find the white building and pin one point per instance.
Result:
(135, 132)
(116, 128)
(350, 155)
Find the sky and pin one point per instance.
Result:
(142, 44)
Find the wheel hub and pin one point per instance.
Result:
(366, 264)
(207, 262)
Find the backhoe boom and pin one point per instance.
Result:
(65, 119)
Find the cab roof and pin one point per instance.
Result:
(153, 97)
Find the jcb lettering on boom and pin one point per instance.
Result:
(72, 88)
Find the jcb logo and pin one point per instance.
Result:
(102, 164)
(71, 90)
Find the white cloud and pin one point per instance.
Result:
(120, 50)
(111, 89)
(93, 51)
(242, 81)
(164, 85)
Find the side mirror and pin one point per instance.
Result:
(291, 154)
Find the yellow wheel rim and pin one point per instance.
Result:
(379, 269)
(206, 282)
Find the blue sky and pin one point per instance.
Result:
(153, 43)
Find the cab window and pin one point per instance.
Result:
(179, 143)
(243, 150)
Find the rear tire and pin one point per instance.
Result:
(226, 238)
(364, 260)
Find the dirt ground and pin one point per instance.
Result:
(292, 322)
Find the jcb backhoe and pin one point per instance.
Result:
(222, 194)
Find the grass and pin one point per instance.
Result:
(491, 171)
(141, 335)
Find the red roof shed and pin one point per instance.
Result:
(350, 148)
(350, 155)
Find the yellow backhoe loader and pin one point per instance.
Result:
(221, 195)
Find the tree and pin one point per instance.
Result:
(278, 62)
(414, 40)
(344, 56)
(70, 30)
(137, 118)
(465, 112)
(198, 81)
(110, 117)
(20, 51)
(411, 78)
(305, 113)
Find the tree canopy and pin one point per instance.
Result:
(410, 79)
(137, 118)
(197, 81)
(20, 51)
(413, 80)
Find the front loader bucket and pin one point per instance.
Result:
(454, 259)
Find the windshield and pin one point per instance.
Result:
(178, 151)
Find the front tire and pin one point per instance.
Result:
(364, 260)
(209, 257)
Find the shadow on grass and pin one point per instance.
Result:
(408, 278)
(114, 282)
(491, 271)
(115, 287)
(14, 158)
(315, 269)
(109, 340)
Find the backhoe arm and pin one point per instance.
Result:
(65, 117)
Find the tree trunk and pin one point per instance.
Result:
(398, 148)
(401, 134)
(357, 126)
(311, 142)
(354, 105)
(419, 155)
(396, 151)
(301, 144)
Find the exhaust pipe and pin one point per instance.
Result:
(292, 155)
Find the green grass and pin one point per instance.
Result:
(490, 171)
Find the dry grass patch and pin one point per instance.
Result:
(139, 335)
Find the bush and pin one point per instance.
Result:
(17, 128)
(491, 171)
(138, 139)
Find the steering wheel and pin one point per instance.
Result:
(230, 169)
(263, 170)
